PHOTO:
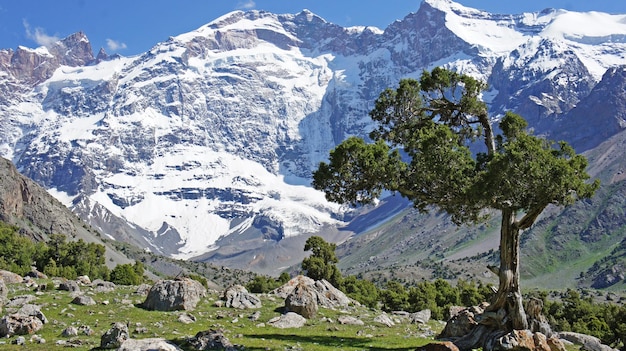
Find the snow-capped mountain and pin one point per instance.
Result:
(211, 136)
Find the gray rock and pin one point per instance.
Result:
(69, 285)
(350, 320)
(288, 320)
(101, 286)
(384, 319)
(149, 344)
(10, 277)
(588, 342)
(114, 337)
(19, 324)
(69, 332)
(238, 296)
(302, 300)
(84, 300)
(211, 340)
(186, 318)
(19, 301)
(421, 317)
(33, 310)
(173, 295)
(20, 340)
(83, 280)
(326, 295)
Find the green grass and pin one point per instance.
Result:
(123, 306)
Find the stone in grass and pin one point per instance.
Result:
(83, 300)
(211, 340)
(288, 320)
(148, 344)
(349, 320)
(114, 337)
(19, 324)
(172, 295)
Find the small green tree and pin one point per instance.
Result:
(127, 274)
(434, 120)
(321, 264)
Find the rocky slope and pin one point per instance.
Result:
(204, 145)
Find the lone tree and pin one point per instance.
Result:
(434, 121)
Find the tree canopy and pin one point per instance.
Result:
(423, 148)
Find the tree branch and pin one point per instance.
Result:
(530, 217)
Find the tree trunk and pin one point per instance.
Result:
(506, 311)
(509, 296)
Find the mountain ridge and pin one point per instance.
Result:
(211, 136)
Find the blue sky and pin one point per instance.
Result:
(130, 27)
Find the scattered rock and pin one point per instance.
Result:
(19, 301)
(172, 295)
(288, 320)
(83, 280)
(421, 317)
(238, 296)
(84, 300)
(186, 318)
(302, 300)
(326, 295)
(114, 337)
(588, 342)
(438, 346)
(69, 285)
(211, 340)
(10, 277)
(384, 319)
(148, 344)
(350, 320)
(143, 289)
(255, 316)
(69, 332)
(555, 344)
(522, 340)
(101, 286)
(461, 322)
(19, 324)
(20, 340)
(34, 311)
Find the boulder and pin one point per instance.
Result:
(69, 332)
(350, 320)
(187, 318)
(149, 344)
(461, 322)
(522, 340)
(34, 311)
(302, 300)
(238, 296)
(83, 280)
(588, 342)
(19, 324)
(19, 301)
(288, 320)
(326, 295)
(384, 319)
(84, 300)
(114, 337)
(421, 317)
(172, 295)
(10, 277)
(438, 346)
(101, 286)
(211, 340)
(69, 285)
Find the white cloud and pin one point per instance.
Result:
(39, 36)
(114, 45)
(246, 5)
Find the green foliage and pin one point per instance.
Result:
(321, 264)
(583, 315)
(363, 291)
(71, 259)
(433, 121)
(127, 274)
(16, 251)
(200, 279)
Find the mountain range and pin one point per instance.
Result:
(202, 148)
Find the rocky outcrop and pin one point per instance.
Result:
(288, 320)
(324, 293)
(172, 295)
(115, 336)
(302, 300)
(19, 324)
(237, 296)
